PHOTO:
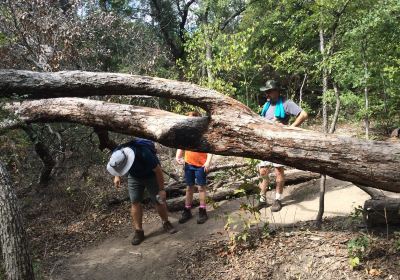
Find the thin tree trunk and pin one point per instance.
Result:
(366, 91)
(385, 105)
(324, 83)
(14, 246)
(301, 89)
(337, 109)
(207, 38)
(321, 208)
(366, 119)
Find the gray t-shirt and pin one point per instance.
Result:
(291, 109)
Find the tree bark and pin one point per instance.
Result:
(104, 139)
(337, 109)
(42, 150)
(14, 246)
(230, 128)
(321, 207)
(378, 212)
(291, 177)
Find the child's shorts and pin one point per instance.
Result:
(195, 175)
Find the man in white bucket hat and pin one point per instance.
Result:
(138, 159)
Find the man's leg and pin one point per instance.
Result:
(280, 183)
(162, 211)
(161, 206)
(137, 214)
(136, 190)
(263, 171)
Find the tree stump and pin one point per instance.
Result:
(378, 212)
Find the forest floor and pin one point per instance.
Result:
(77, 231)
(293, 249)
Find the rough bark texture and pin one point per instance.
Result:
(378, 212)
(291, 177)
(44, 154)
(104, 139)
(36, 85)
(230, 128)
(14, 247)
(337, 109)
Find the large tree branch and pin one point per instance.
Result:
(82, 84)
(368, 163)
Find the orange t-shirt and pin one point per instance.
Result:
(195, 158)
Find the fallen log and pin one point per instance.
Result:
(176, 204)
(230, 127)
(227, 166)
(292, 177)
(379, 212)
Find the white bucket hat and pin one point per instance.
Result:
(121, 161)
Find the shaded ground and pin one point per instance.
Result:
(294, 252)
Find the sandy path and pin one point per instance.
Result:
(116, 259)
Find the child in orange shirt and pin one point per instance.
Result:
(196, 167)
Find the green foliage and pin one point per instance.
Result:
(357, 213)
(281, 40)
(357, 248)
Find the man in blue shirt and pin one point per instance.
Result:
(138, 159)
(277, 110)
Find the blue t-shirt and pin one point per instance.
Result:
(145, 162)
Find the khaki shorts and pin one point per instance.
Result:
(136, 187)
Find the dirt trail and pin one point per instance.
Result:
(116, 259)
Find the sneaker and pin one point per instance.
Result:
(186, 216)
(276, 206)
(202, 216)
(138, 237)
(261, 205)
(168, 227)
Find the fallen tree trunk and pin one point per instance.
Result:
(176, 204)
(229, 129)
(385, 211)
(292, 177)
(227, 166)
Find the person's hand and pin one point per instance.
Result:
(117, 182)
(206, 167)
(180, 161)
(278, 123)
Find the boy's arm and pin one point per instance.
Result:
(208, 162)
(179, 156)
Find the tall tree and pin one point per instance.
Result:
(14, 246)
